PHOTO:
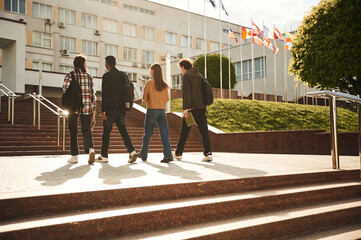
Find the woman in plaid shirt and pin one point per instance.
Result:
(86, 83)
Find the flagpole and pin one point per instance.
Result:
(275, 67)
(240, 46)
(252, 60)
(285, 71)
(264, 70)
(189, 41)
(205, 41)
(229, 65)
(220, 49)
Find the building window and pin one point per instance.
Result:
(109, 2)
(148, 33)
(136, 9)
(89, 47)
(200, 44)
(130, 30)
(171, 38)
(259, 69)
(111, 50)
(130, 54)
(68, 43)
(110, 25)
(42, 39)
(147, 57)
(177, 81)
(42, 10)
(67, 16)
(65, 68)
(45, 66)
(184, 41)
(214, 46)
(92, 71)
(17, 6)
(132, 77)
(89, 21)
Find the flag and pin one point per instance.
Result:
(278, 35)
(223, 8)
(288, 43)
(275, 49)
(246, 33)
(231, 35)
(268, 33)
(257, 40)
(256, 31)
(212, 2)
(268, 44)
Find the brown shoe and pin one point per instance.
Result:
(91, 159)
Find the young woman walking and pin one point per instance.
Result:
(156, 96)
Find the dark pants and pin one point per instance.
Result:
(201, 120)
(117, 117)
(85, 123)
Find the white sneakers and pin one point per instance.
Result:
(207, 158)
(133, 157)
(73, 159)
(101, 159)
(179, 158)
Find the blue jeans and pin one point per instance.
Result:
(156, 116)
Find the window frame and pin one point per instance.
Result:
(62, 43)
(94, 19)
(126, 51)
(126, 29)
(65, 20)
(10, 2)
(42, 39)
(45, 10)
(111, 21)
(86, 47)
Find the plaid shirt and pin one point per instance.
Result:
(86, 83)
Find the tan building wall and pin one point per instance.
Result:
(78, 45)
(140, 31)
(100, 22)
(160, 35)
(55, 13)
(29, 37)
(120, 26)
(2, 5)
(78, 18)
(29, 63)
(29, 8)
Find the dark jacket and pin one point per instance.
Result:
(113, 90)
(192, 90)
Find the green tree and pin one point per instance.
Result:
(326, 50)
(213, 70)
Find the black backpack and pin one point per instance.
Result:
(72, 98)
(207, 92)
(128, 93)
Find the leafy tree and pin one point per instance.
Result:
(213, 70)
(326, 50)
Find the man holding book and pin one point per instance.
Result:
(193, 106)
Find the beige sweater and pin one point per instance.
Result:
(155, 99)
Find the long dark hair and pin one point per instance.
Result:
(79, 64)
(158, 77)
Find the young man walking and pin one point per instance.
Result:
(193, 103)
(113, 109)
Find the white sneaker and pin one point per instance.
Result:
(207, 158)
(73, 159)
(133, 157)
(179, 158)
(101, 159)
(91, 158)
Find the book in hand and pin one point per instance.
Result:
(190, 120)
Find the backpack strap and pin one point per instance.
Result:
(72, 76)
(81, 94)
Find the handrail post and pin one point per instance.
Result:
(12, 109)
(359, 132)
(333, 132)
(9, 107)
(39, 112)
(63, 132)
(34, 112)
(58, 132)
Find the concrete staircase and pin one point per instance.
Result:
(268, 207)
(23, 138)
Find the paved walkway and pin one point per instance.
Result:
(40, 175)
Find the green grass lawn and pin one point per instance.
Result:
(246, 115)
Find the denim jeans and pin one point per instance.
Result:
(156, 116)
(117, 117)
(85, 123)
(201, 120)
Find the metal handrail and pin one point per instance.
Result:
(60, 113)
(11, 101)
(333, 120)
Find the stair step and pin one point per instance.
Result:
(176, 213)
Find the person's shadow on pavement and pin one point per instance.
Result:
(228, 169)
(63, 174)
(176, 170)
(113, 175)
